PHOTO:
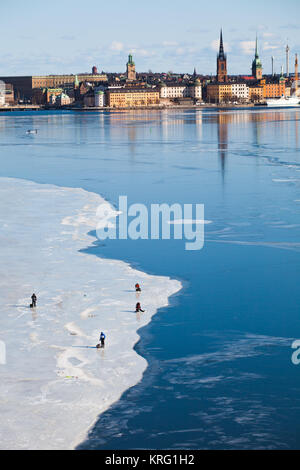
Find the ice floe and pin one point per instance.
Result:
(54, 382)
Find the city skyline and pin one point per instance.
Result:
(161, 37)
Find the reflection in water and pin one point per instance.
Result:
(296, 128)
(223, 140)
(132, 139)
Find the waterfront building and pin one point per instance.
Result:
(221, 62)
(130, 71)
(24, 85)
(219, 92)
(99, 97)
(9, 94)
(177, 91)
(172, 90)
(256, 64)
(227, 92)
(52, 94)
(196, 90)
(240, 91)
(63, 100)
(274, 89)
(2, 94)
(89, 99)
(131, 97)
(256, 93)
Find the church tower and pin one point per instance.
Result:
(221, 62)
(256, 64)
(131, 73)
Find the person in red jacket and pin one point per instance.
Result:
(137, 288)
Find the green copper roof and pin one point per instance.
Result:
(130, 60)
(256, 62)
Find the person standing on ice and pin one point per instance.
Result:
(138, 308)
(137, 288)
(33, 300)
(102, 339)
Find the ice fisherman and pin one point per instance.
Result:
(138, 308)
(33, 300)
(102, 339)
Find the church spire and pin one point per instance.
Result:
(256, 48)
(221, 62)
(256, 64)
(221, 49)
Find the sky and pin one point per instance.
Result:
(70, 36)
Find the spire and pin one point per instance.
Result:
(221, 50)
(256, 48)
(256, 64)
(221, 62)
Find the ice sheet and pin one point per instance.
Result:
(55, 383)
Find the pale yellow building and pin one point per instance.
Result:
(256, 93)
(219, 92)
(132, 98)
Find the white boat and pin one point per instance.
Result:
(284, 101)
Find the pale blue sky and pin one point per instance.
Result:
(70, 36)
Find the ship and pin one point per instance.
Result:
(284, 101)
(288, 101)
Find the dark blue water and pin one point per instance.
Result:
(220, 373)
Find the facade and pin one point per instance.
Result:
(2, 93)
(256, 93)
(221, 62)
(219, 92)
(240, 91)
(273, 89)
(52, 94)
(99, 97)
(132, 97)
(24, 86)
(89, 99)
(256, 64)
(227, 92)
(63, 100)
(130, 72)
(9, 94)
(174, 90)
(196, 90)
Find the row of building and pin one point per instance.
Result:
(132, 90)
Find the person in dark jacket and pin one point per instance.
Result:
(102, 339)
(33, 300)
(138, 308)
